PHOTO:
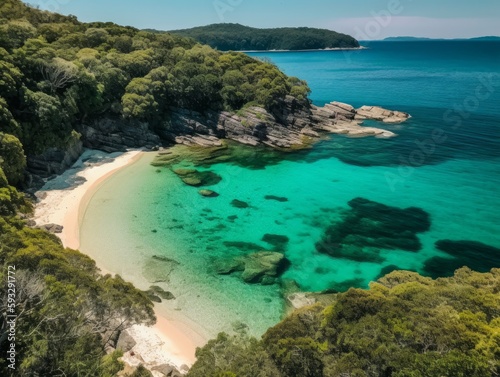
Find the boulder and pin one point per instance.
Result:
(125, 342)
(52, 228)
(263, 267)
(300, 300)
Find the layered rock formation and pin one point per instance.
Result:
(291, 125)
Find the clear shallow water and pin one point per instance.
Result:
(140, 212)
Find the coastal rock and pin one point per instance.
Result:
(54, 160)
(125, 342)
(381, 114)
(263, 267)
(164, 369)
(290, 125)
(116, 135)
(300, 300)
(52, 228)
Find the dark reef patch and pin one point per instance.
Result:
(278, 241)
(391, 268)
(369, 226)
(243, 246)
(280, 199)
(346, 285)
(476, 255)
(239, 204)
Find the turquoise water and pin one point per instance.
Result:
(445, 162)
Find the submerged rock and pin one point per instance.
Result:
(281, 199)
(278, 241)
(159, 291)
(192, 177)
(239, 204)
(243, 246)
(263, 267)
(208, 193)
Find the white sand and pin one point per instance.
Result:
(167, 342)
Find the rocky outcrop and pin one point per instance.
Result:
(116, 135)
(291, 125)
(54, 161)
(51, 228)
(380, 114)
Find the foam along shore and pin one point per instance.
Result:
(62, 201)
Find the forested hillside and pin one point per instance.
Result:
(59, 73)
(235, 37)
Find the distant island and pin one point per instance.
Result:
(236, 37)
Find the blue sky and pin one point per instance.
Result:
(364, 19)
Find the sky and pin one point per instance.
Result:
(363, 19)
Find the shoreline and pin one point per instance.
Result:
(311, 50)
(169, 341)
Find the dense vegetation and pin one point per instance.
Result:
(67, 314)
(406, 325)
(58, 73)
(235, 37)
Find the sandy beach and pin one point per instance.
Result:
(166, 343)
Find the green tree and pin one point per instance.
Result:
(12, 158)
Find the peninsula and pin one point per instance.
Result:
(236, 37)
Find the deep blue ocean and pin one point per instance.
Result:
(352, 209)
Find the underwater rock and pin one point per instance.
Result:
(369, 226)
(192, 177)
(475, 255)
(158, 268)
(239, 204)
(159, 291)
(263, 267)
(300, 300)
(281, 199)
(243, 246)
(278, 241)
(208, 193)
